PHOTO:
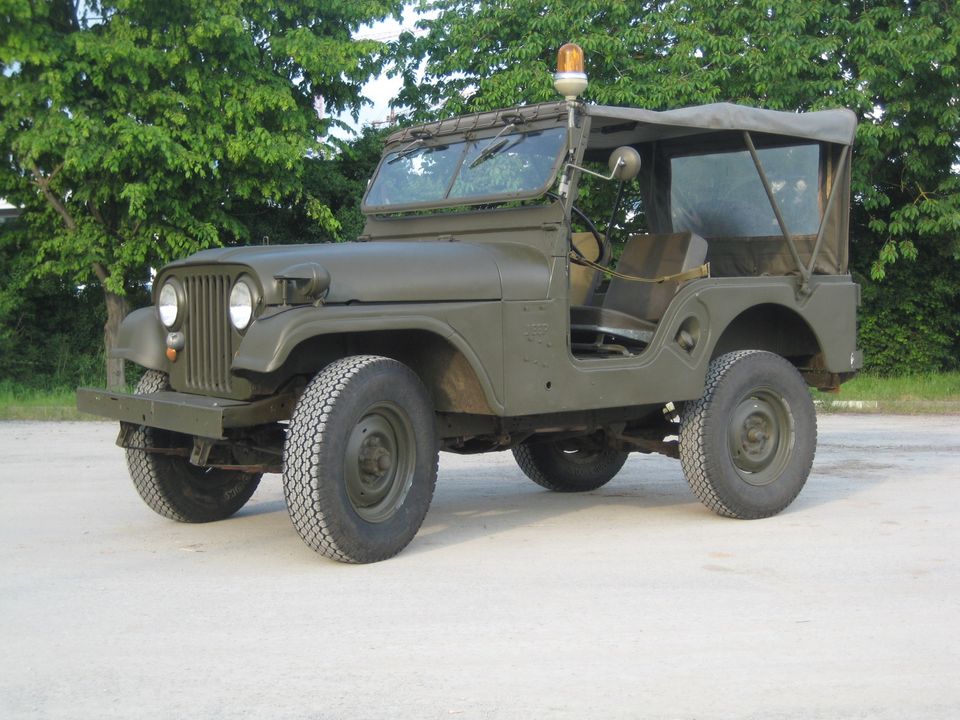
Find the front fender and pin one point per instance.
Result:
(270, 341)
(142, 339)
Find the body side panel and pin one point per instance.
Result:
(543, 376)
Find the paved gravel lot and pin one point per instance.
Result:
(513, 602)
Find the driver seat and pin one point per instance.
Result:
(584, 280)
(631, 310)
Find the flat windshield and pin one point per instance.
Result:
(425, 174)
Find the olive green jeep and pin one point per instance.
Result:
(481, 310)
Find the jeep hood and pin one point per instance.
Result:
(389, 271)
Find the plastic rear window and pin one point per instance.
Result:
(721, 195)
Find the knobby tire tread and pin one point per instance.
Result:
(310, 431)
(539, 469)
(151, 473)
(697, 425)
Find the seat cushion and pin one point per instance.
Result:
(583, 279)
(652, 256)
(587, 318)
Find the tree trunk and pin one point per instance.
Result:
(116, 311)
(117, 307)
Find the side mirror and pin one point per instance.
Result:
(624, 163)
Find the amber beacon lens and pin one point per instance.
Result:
(570, 58)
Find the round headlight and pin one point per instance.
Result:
(241, 304)
(168, 304)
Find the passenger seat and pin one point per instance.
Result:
(630, 309)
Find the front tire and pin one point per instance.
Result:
(746, 447)
(360, 461)
(169, 484)
(572, 465)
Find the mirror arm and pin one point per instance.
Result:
(565, 180)
(572, 166)
(613, 213)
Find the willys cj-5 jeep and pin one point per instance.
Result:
(481, 310)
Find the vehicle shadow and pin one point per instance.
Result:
(478, 500)
(485, 497)
(481, 497)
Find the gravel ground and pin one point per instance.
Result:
(512, 602)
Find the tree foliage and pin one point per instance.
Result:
(911, 321)
(135, 131)
(48, 326)
(337, 180)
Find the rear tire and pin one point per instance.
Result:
(169, 484)
(572, 465)
(746, 447)
(360, 461)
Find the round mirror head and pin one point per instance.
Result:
(624, 163)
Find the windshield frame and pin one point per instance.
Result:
(481, 138)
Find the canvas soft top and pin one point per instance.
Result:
(639, 125)
(832, 126)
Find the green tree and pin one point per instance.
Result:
(135, 131)
(894, 62)
(48, 326)
(337, 180)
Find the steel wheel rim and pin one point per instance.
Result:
(577, 451)
(760, 436)
(380, 462)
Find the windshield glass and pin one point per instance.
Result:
(516, 166)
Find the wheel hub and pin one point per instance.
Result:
(378, 464)
(375, 459)
(756, 438)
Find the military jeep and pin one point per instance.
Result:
(482, 310)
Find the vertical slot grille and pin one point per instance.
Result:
(208, 333)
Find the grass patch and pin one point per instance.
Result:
(929, 386)
(920, 393)
(19, 403)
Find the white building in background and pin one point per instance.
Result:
(7, 211)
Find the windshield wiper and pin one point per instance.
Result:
(420, 137)
(489, 151)
(407, 151)
(495, 146)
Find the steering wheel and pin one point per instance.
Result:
(597, 235)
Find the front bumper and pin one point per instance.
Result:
(199, 415)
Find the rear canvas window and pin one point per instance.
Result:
(721, 195)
